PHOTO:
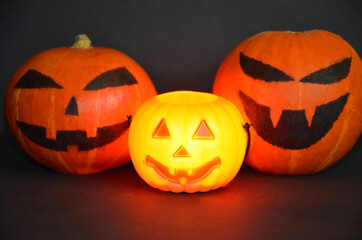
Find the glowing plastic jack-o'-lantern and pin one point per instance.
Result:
(187, 141)
(302, 94)
(67, 107)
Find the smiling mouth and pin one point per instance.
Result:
(185, 175)
(292, 130)
(64, 138)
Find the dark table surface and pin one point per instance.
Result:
(37, 203)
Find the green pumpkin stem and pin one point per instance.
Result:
(82, 41)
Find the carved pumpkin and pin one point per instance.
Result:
(67, 107)
(302, 94)
(187, 141)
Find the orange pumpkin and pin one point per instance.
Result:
(302, 94)
(68, 107)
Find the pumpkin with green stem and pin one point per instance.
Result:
(68, 107)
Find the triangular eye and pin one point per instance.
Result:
(113, 78)
(35, 79)
(162, 130)
(203, 131)
(259, 70)
(331, 74)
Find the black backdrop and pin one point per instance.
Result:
(180, 44)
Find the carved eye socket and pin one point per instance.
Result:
(162, 130)
(203, 132)
(113, 78)
(35, 79)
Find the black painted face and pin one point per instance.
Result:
(292, 130)
(33, 79)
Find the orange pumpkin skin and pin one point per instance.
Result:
(77, 139)
(302, 94)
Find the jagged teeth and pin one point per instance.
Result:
(275, 114)
(309, 113)
(51, 133)
(91, 132)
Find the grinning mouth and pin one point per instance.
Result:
(292, 130)
(78, 138)
(183, 176)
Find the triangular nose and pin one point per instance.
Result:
(72, 108)
(181, 152)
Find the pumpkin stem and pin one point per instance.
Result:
(82, 41)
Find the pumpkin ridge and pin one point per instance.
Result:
(333, 151)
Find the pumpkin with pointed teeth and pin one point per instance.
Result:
(302, 94)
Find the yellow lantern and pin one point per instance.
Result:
(187, 141)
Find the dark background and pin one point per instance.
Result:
(180, 44)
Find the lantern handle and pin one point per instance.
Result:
(246, 126)
(129, 119)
